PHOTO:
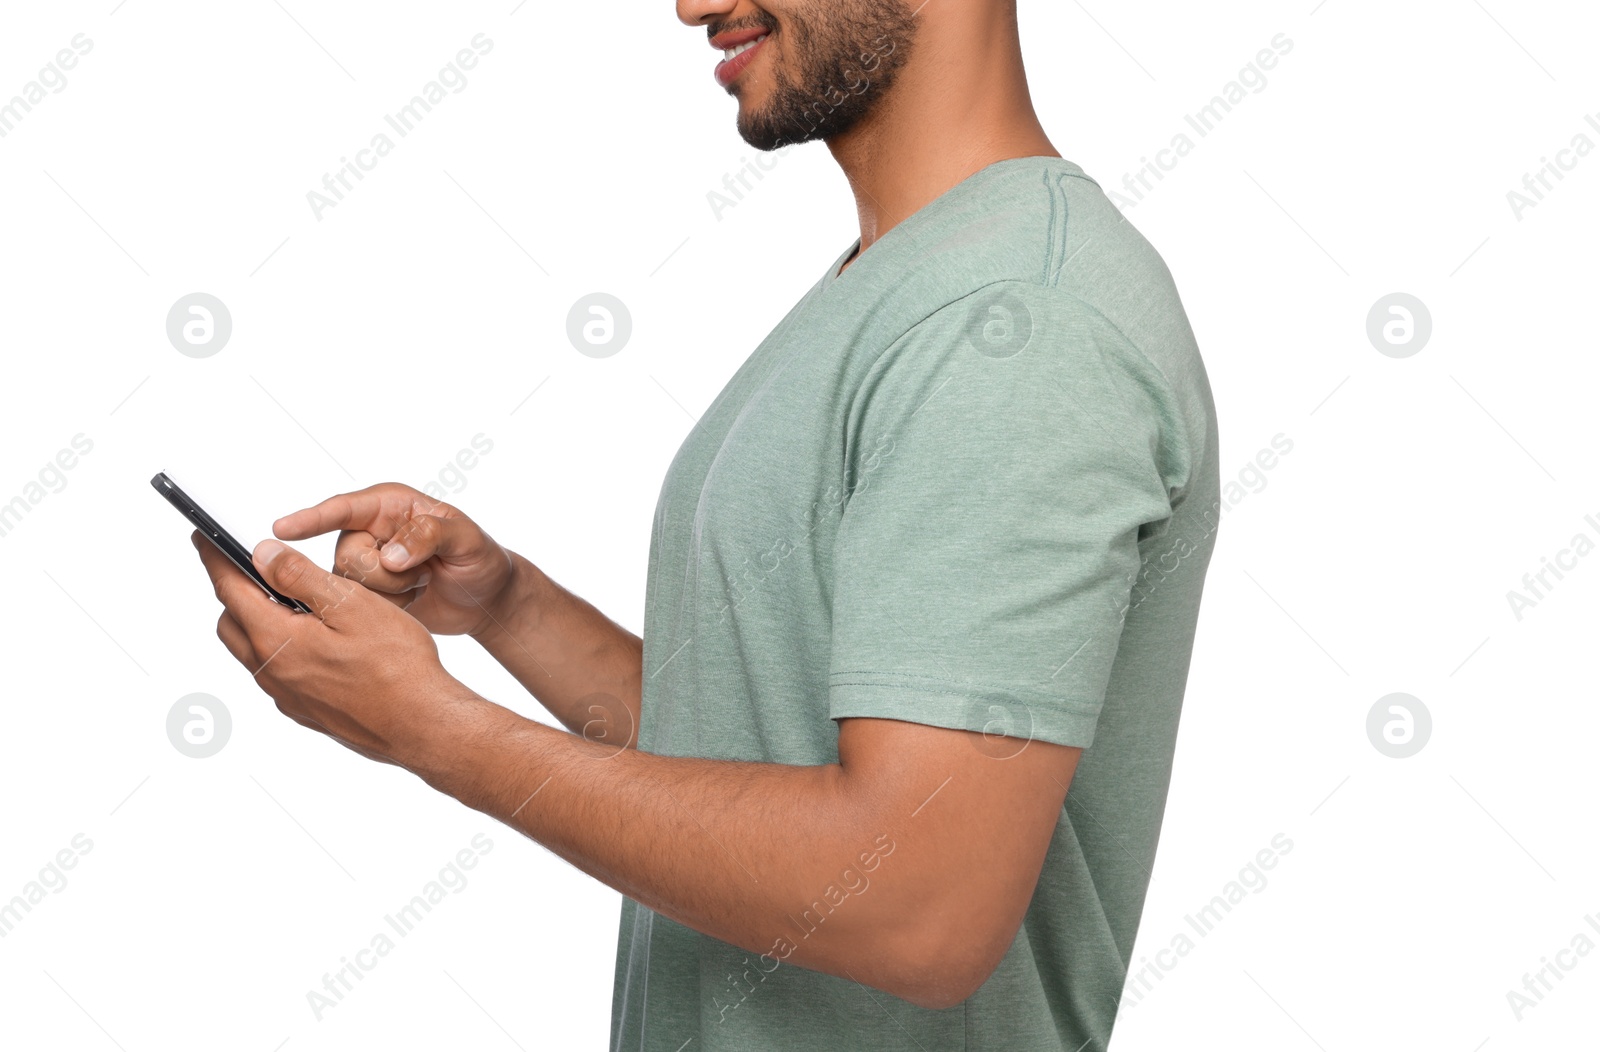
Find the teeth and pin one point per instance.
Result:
(733, 53)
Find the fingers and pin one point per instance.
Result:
(423, 536)
(234, 638)
(234, 590)
(298, 577)
(237, 641)
(346, 511)
(242, 647)
(356, 557)
(379, 509)
(402, 600)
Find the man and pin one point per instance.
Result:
(945, 530)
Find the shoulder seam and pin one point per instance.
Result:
(1060, 233)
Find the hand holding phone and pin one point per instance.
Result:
(224, 541)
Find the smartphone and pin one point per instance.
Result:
(209, 528)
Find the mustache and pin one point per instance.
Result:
(760, 20)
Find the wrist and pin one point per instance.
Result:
(471, 749)
(516, 601)
(441, 744)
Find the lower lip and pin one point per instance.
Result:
(728, 71)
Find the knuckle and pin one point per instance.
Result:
(357, 559)
(290, 573)
(422, 504)
(341, 591)
(419, 534)
(395, 493)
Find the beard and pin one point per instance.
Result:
(848, 59)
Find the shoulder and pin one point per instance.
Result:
(1043, 223)
(1040, 271)
(1047, 241)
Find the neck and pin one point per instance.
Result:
(960, 104)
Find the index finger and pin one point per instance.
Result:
(380, 510)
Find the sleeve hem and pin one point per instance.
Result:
(941, 703)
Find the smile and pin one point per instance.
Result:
(736, 58)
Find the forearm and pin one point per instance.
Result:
(566, 652)
(757, 855)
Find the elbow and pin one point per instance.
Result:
(943, 964)
(946, 985)
(936, 998)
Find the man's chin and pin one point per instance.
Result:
(762, 132)
(767, 141)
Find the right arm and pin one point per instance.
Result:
(441, 567)
(582, 666)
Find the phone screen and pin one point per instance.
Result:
(224, 541)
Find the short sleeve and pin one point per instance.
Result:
(1003, 459)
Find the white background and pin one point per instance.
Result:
(430, 307)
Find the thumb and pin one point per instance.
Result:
(299, 578)
(424, 536)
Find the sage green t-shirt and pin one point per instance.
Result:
(970, 482)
